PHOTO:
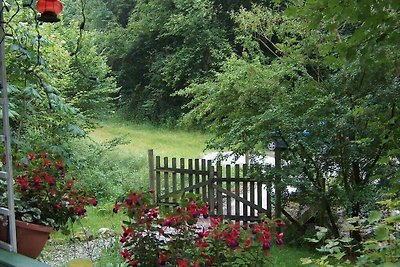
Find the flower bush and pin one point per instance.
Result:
(177, 239)
(45, 195)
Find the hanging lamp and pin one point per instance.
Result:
(49, 10)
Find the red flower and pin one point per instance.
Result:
(204, 211)
(203, 233)
(231, 240)
(215, 222)
(69, 184)
(183, 263)
(57, 206)
(31, 156)
(45, 155)
(36, 181)
(23, 182)
(49, 179)
(279, 239)
(47, 163)
(134, 263)
(59, 165)
(193, 210)
(80, 210)
(162, 259)
(247, 243)
(201, 244)
(117, 207)
(126, 254)
(93, 201)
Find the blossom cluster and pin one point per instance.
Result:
(150, 238)
(45, 194)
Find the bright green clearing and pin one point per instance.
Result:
(141, 137)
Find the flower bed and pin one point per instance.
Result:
(150, 238)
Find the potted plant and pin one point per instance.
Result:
(46, 199)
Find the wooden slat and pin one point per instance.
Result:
(190, 167)
(219, 193)
(259, 193)
(166, 181)
(239, 179)
(189, 188)
(158, 179)
(252, 197)
(269, 203)
(180, 170)
(204, 178)
(245, 190)
(211, 195)
(237, 189)
(182, 166)
(228, 187)
(174, 181)
(197, 175)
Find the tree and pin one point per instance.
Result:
(326, 88)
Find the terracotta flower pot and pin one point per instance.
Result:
(31, 238)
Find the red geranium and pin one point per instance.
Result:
(44, 195)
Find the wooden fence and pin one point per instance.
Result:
(228, 190)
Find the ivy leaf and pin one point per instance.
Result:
(374, 216)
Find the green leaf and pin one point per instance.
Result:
(393, 219)
(313, 240)
(339, 255)
(306, 261)
(374, 216)
(382, 233)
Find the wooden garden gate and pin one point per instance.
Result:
(228, 190)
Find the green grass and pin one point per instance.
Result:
(287, 256)
(141, 137)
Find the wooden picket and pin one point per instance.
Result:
(228, 190)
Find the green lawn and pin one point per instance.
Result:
(141, 137)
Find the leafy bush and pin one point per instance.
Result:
(106, 172)
(379, 247)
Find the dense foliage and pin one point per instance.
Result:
(325, 87)
(321, 77)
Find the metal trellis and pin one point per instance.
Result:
(6, 172)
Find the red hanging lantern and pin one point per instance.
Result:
(49, 10)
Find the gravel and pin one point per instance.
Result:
(58, 255)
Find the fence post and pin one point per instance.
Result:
(151, 170)
(278, 186)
